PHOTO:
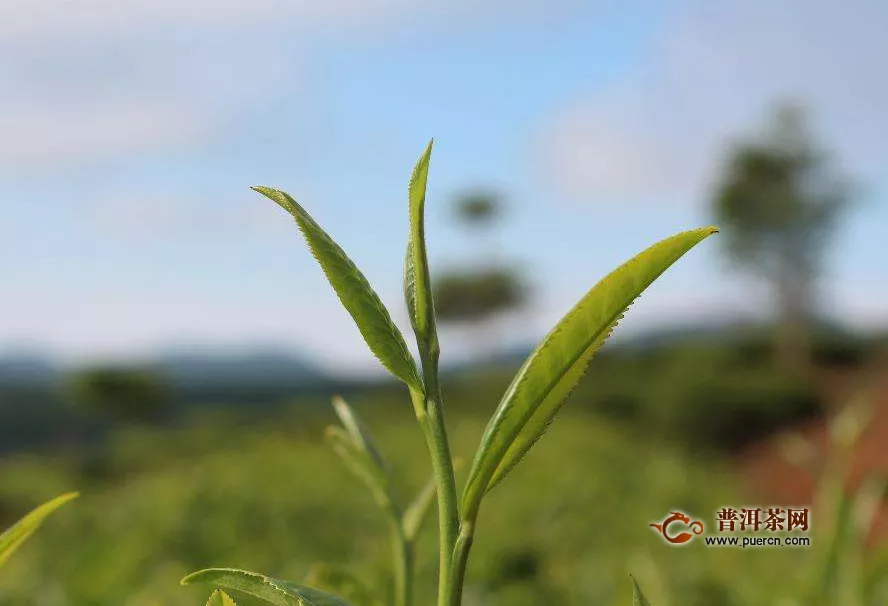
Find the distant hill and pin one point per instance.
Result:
(35, 411)
(243, 368)
(238, 378)
(648, 339)
(26, 369)
(714, 332)
(682, 333)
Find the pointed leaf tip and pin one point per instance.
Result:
(361, 464)
(638, 598)
(417, 277)
(354, 291)
(220, 598)
(555, 367)
(359, 433)
(19, 532)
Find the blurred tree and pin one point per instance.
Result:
(120, 394)
(779, 202)
(475, 297)
(471, 296)
(478, 208)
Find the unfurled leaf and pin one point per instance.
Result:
(638, 598)
(359, 433)
(417, 281)
(220, 598)
(342, 582)
(362, 465)
(555, 367)
(24, 528)
(273, 591)
(356, 294)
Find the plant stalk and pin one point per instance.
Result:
(402, 571)
(460, 561)
(402, 551)
(431, 417)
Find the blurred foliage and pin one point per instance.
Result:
(275, 499)
(255, 487)
(713, 396)
(479, 208)
(120, 394)
(473, 296)
(779, 202)
(478, 294)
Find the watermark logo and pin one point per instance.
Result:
(695, 526)
(781, 527)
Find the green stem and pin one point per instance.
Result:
(402, 550)
(431, 417)
(460, 561)
(402, 553)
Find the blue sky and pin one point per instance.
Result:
(131, 132)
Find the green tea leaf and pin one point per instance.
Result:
(638, 598)
(273, 591)
(555, 367)
(355, 293)
(359, 433)
(361, 465)
(220, 598)
(24, 528)
(417, 281)
(343, 582)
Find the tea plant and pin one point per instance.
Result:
(19, 532)
(528, 406)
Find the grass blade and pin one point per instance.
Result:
(273, 591)
(354, 291)
(417, 281)
(220, 598)
(553, 369)
(24, 528)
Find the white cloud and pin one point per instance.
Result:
(86, 80)
(61, 21)
(94, 79)
(64, 105)
(710, 77)
(29, 21)
(43, 134)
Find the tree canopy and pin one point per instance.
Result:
(779, 201)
